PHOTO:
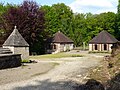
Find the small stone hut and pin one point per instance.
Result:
(59, 43)
(17, 44)
(103, 42)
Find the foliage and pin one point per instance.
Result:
(3, 9)
(117, 22)
(78, 29)
(58, 18)
(106, 21)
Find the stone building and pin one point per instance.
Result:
(59, 43)
(104, 41)
(16, 43)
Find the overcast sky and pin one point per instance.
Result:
(80, 6)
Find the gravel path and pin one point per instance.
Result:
(24, 72)
(63, 77)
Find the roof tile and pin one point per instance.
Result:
(59, 37)
(103, 37)
(15, 39)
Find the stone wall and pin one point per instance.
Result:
(10, 60)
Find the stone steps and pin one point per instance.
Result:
(5, 51)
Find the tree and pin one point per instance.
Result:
(78, 29)
(106, 21)
(58, 17)
(3, 9)
(118, 7)
(117, 22)
(29, 20)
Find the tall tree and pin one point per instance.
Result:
(106, 21)
(58, 17)
(118, 7)
(117, 22)
(29, 20)
(3, 9)
(78, 29)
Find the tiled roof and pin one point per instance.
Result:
(15, 39)
(59, 37)
(103, 37)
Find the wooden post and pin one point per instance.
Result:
(83, 45)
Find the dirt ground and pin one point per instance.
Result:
(50, 74)
(25, 72)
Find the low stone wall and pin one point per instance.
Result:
(10, 60)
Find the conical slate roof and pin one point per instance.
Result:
(103, 38)
(15, 39)
(59, 37)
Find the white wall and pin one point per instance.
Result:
(110, 45)
(62, 47)
(90, 47)
(57, 48)
(100, 47)
(71, 46)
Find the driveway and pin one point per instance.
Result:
(64, 76)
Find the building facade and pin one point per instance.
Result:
(59, 43)
(16, 43)
(103, 42)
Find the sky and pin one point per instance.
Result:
(78, 6)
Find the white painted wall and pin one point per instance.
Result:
(100, 47)
(57, 48)
(71, 46)
(110, 45)
(90, 47)
(61, 48)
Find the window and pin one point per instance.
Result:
(95, 46)
(105, 46)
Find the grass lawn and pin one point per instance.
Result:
(58, 55)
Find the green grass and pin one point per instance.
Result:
(25, 61)
(58, 55)
(81, 48)
(98, 52)
(76, 55)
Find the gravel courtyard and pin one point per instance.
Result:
(50, 74)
